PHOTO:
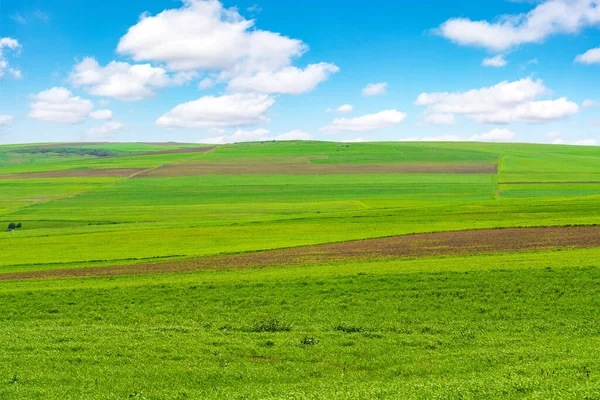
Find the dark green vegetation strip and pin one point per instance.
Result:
(410, 246)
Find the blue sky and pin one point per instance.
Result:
(210, 71)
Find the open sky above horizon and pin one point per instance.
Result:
(245, 70)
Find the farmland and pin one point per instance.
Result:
(301, 270)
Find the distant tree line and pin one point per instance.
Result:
(64, 151)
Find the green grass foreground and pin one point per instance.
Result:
(513, 325)
(504, 326)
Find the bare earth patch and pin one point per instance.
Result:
(315, 169)
(457, 243)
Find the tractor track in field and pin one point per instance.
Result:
(454, 243)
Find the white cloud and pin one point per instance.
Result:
(589, 103)
(557, 141)
(549, 18)
(5, 68)
(496, 62)
(443, 138)
(294, 135)
(366, 123)
(343, 109)
(289, 80)
(59, 105)
(5, 120)
(357, 140)
(229, 110)
(217, 131)
(501, 104)
(586, 142)
(105, 130)
(121, 80)
(204, 35)
(18, 18)
(101, 114)
(256, 135)
(41, 15)
(495, 135)
(553, 135)
(440, 119)
(591, 56)
(206, 83)
(374, 89)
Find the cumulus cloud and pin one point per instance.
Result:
(204, 35)
(501, 104)
(101, 114)
(12, 45)
(586, 142)
(591, 56)
(123, 81)
(256, 135)
(495, 135)
(5, 120)
(365, 123)
(105, 130)
(229, 110)
(496, 62)
(440, 119)
(374, 89)
(550, 17)
(343, 109)
(59, 105)
(289, 80)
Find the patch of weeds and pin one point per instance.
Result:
(273, 325)
(15, 378)
(269, 343)
(310, 341)
(347, 328)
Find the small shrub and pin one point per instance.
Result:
(11, 226)
(348, 328)
(273, 325)
(310, 341)
(19, 225)
(269, 343)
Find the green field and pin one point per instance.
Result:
(493, 324)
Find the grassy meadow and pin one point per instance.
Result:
(495, 325)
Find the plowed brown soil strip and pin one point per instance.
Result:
(76, 173)
(310, 169)
(458, 243)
